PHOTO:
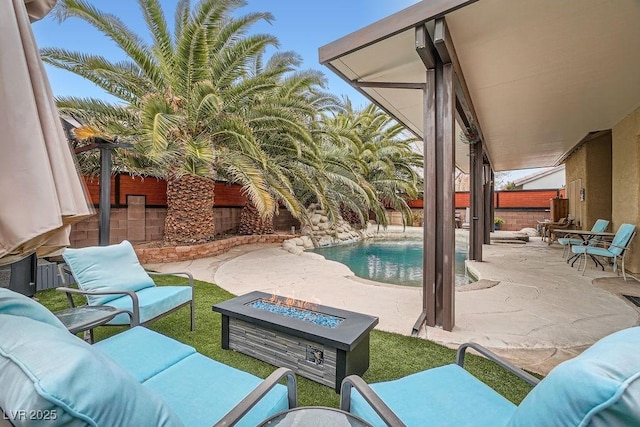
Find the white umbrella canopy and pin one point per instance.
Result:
(41, 193)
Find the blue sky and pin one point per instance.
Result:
(301, 26)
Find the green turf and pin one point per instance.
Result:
(392, 355)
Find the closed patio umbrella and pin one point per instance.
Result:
(41, 193)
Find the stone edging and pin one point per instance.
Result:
(217, 247)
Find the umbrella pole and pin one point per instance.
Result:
(105, 194)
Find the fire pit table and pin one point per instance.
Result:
(324, 344)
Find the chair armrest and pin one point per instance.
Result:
(525, 376)
(135, 321)
(245, 405)
(370, 396)
(189, 275)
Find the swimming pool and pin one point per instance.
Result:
(397, 262)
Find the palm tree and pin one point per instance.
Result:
(382, 154)
(189, 102)
(293, 160)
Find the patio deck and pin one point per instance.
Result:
(540, 312)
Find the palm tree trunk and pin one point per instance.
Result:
(251, 222)
(190, 217)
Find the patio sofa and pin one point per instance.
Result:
(600, 387)
(137, 378)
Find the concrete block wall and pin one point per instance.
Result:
(138, 223)
(154, 223)
(135, 223)
(284, 221)
(227, 220)
(515, 220)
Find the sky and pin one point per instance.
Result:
(301, 26)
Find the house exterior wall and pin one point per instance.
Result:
(592, 165)
(553, 180)
(626, 180)
(598, 195)
(576, 171)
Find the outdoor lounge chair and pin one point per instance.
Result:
(616, 250)
(599, 387)
(568, 241)
(135, 378)
(112, 275)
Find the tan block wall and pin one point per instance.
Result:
(139, 224)
(626, 180)
(227, 220)
(135, 223)
(516, 220)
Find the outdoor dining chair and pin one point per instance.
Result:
(550, 228)
(616, 250)
(112, 275)
(601, 386)
(568, 241)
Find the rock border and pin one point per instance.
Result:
(187, 253)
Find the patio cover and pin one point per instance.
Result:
(525, 80)
(541, 74)
(41, 193)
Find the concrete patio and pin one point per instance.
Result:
(529, 306)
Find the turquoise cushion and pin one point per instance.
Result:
(444, 396)
(17, 304)
(570, 241)
(107, 268)
(142, 352)
(201, 391)
(593, 250)
(44, 368)
(153, 302)
(598, 388)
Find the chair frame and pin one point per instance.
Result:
(623, 255)
(245, 405)
(383, 410)
(63, 269)
(592, 241)
(552, 227)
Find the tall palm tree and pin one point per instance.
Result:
(382, 155)
(189, 102)
(293, 159)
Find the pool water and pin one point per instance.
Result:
(397, 262)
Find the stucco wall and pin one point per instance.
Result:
(598, 200)
(591, 163)
(626, 180)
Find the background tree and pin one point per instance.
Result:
(382, 156)
(189, 102)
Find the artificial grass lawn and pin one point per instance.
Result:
(392, 355)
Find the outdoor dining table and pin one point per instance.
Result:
(587, 235)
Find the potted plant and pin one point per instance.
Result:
(497, 222)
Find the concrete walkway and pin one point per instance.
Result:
(540, 311)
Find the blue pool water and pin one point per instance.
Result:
(389, 261)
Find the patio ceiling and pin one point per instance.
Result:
(541, 74)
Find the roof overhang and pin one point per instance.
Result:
(541, 74)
